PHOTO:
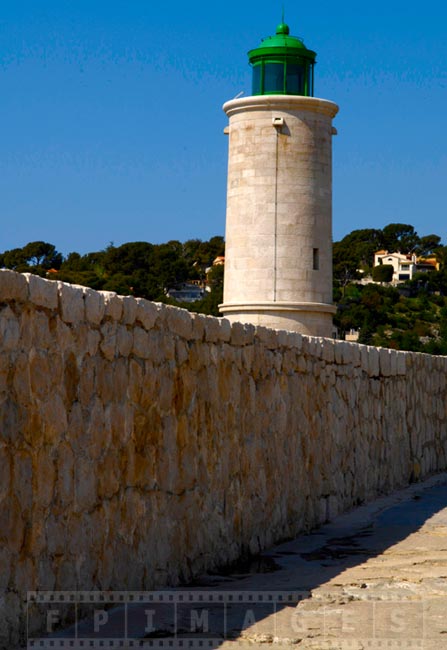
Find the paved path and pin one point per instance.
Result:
(375, 578)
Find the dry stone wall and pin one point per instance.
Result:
(141, 444)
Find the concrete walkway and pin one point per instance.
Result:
(375, 578)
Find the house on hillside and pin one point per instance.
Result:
(405, 265)
(186, 292)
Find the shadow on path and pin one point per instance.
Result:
(391, 553)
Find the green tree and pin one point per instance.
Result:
(429, 244)
(355, 252)
(383, 273)
(41, 253)
(400, 237)
(15, 259)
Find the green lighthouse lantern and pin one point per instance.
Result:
(282, 65)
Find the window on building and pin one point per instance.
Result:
(316, 259)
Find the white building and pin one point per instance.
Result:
(405, 266)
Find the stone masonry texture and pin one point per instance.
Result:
(142, 445)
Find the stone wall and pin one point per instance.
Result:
(141, 444)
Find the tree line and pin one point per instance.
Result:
(140, 269)
(410, 316)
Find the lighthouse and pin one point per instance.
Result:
(278, 256)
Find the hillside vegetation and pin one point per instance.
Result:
(409, 316)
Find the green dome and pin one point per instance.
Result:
(282, 64)
(281, 43)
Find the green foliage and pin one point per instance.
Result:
(40, 253)
(383, 273)
(400, 237)
(429, 244)
(411, 317)
(35, 255)
(354, 253)
(135, 268)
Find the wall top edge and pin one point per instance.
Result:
(78, 304)
(281, 102)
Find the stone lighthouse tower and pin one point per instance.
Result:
(278, 259)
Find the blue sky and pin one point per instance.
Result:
(111, 121)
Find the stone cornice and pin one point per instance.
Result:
(281, 102)
(319, 307)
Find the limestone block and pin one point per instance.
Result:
(130, 308)
(85, 482)
(328, 351)
(9, 329)
(352, 352)
(248, 354)
(93, 341)
(283, 338)
(393, 363)
(113, 305)
(40, 373)
(373, 362)
(250, 333)
(56, 535)
(5, 474)
(71, 298)
(224, 330)
(65, 336)
(141, 343)
(54, 418)
(338, 352)
(147, 313)
(364, 358)
(42, 293)
(12, 524)
(13, 286)
(5, 567)
(124, 341)
(94, 306)
(21, 380)
(65, 474)
(98, 433)
(401, 363)
(35, 330)
(108, 343)
(178, 321)
(295, 340)
(109, 475)
(66, 575)
(212, 329)
(237, 334)
(181, 352)
(136, 370)
(198, 326)
(44, 471)
(385, 362)
(120, 379)
(46, 578)
(267, 336)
